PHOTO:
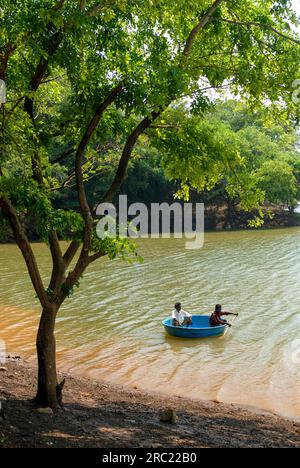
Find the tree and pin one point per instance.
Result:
(268, 148)
(83, 72)
(277, 179)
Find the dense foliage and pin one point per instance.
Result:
(92, 47)
(266, 150)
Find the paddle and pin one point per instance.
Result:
(229, 327)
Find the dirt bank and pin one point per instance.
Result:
(98, 414)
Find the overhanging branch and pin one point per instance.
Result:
(258, 25)
(23, 243)
(84, 206)
(97, 9)
(202, 23)
(126, 155)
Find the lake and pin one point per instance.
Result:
(111, 328)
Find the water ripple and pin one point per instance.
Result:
(113, 323)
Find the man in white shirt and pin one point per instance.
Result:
(180, 317)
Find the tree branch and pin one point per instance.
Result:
(84, 206)
(84, 259)
(74, 276)
(17, 103)
(11, 47)
(41, 71)
(58, 269)
(64, 155)
(96, 256)
(123, 163)
(66, 183)
(25, 247)
(4, 58)
(203, 22)
(70, 253)
(96, 10)
(259, 25)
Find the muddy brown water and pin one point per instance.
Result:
(111, 328)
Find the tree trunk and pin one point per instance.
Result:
(49, 392)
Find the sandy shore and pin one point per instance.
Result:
(98, 414)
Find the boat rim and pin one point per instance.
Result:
(191, 328)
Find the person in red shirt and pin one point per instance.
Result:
(216, 318)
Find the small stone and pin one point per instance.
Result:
(45, 411)
(3, 369)
(169, 416)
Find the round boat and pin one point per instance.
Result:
(199, 329)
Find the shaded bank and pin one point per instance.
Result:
(216, 218)
(231, 217)
(102, 415)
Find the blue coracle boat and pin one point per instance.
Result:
(199, 329)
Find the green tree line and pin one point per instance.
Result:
(268, 173)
